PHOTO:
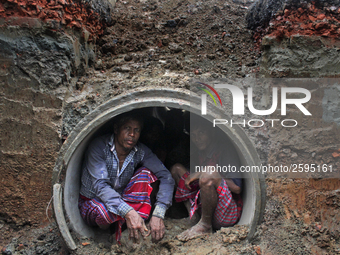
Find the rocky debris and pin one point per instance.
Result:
(263, 11)
(102, 7)
(87, 15)
(280, 235)
(302, 56)
(35, 241)
(217, 31)
(300, 39)
(310, 21)
(145, 48)
(234, 242)
(284, 19)
(233, 235)
(276, 235)
(175, 48)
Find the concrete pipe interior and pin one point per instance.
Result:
(70, 158)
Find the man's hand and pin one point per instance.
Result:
(232, 186)
(157, 229)
(191, 177)
(135, 224)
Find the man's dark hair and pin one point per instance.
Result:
(125, 117)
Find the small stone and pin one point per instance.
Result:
(257, 250)
(175, 48)
(287, 151)
(211, 56)
(177, 243)
(125, 69)
(171, 23)
(40, 243)
(335, 155)
(306, 219)
(128, 58)
(216, 9)
(5, 251)
(20, 247)
(41, 237)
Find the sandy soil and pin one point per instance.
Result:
(276, 235)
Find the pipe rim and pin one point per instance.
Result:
(157, 97)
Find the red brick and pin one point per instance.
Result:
(68, 17)
(321, 25)
(312, 18)
(321, 16)
(286, 12)
(75, 24)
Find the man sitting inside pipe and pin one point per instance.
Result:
(210, 192)
(116, 178)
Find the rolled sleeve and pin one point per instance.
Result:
(123, 209)
(159, 211)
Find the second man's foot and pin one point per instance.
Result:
(198, 230)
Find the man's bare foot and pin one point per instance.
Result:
(195, 231)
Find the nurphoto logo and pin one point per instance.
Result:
(239, 104)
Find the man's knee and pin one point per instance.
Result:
(177, 171)
(210, 180)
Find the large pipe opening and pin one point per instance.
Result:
(97, 122)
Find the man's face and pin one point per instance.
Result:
(201, 138)
(128, 134)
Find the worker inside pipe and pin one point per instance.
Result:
(117, 177)
(212, 197)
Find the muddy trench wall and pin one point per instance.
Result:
(44, 46)
(300, 39)
(59, 61)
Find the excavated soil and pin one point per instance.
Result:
(172, 41)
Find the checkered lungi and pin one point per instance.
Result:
(229, 207)
(136, 194)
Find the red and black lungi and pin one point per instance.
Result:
(229, 207)
(136, 194)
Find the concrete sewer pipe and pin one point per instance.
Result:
(67, 170)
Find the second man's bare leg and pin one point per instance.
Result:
(208, 183)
